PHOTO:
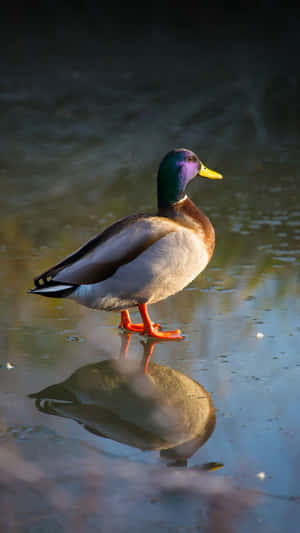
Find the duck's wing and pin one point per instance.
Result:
(101, 256)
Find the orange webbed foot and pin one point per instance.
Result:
(148, 328)
(127, 325)
(155, 333)
(153, 330)
(135, 328)
(132, 328)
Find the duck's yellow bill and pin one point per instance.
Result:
(207, 173)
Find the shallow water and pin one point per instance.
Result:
(81, 149)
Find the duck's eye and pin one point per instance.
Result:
(191, 158)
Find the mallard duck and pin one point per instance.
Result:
(142, 258)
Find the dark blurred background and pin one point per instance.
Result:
(221, 79)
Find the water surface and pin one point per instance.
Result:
(83, 139)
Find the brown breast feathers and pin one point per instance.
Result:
(187, 214)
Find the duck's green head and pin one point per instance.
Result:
(176, 170)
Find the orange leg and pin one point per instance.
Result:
(152, 330)
(125, 342)
(129, 326)
(148, 350)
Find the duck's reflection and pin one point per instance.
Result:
(148, 406)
